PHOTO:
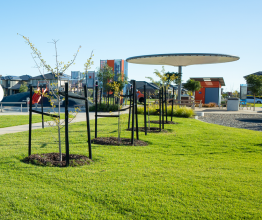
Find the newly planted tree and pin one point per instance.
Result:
(165, 79)
(117, 87)
(58, 71)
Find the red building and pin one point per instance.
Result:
(211, 89)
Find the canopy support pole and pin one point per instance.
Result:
(180, 84)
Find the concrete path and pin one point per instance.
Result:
(20, 128)
(216, 110)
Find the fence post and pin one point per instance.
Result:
(66, 125)
(42, 106)
(133, 113)
(137, 130)
(173, 104)
(160, 114)
(30, 122)
(88, 124)
(96, 111)
(163, 116)
(166, 103)
(130, 100)
(145, 110)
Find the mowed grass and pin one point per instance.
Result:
(14, 120)
(195, 171)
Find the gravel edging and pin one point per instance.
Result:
(245, 121)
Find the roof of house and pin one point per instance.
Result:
(25, 77)
(16, 78)
(50, 76)
(16, 86)
(212, 79)
(140, 85)
(259, 73)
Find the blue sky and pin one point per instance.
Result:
(122, 29)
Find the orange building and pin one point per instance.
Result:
(211, 89)
(118, 65)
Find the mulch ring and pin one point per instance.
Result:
(165, 122)
(151, 130)
(114, 141)
(53, 159)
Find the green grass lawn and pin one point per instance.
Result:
(195, 171)
(14, 120)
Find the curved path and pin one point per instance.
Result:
(20, 128)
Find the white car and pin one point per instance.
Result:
(250, 99)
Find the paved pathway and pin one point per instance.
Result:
(80, 117)
(20, 128)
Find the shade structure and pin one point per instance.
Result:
(182, 59)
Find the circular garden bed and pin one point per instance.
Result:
(53, 159)
(114, 141)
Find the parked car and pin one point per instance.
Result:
(250, 99)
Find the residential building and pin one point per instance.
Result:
(259, 73)
(9, 84)
(50, 80)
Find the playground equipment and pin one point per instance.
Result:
(38, 95)
(140, 96)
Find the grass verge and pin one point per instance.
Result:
(195, 171)
(14, 120)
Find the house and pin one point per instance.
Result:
(259, 73)
(50, 80)
(150, 87)
(9, 84)
(12, 84)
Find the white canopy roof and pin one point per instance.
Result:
(182, 59)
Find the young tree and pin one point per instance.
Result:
(105, 75)
(192, 85)
(236, 93)
(174, 77)
(23, 87)
(58, 71)
(117, 87)
(254, 84)
(165, 79)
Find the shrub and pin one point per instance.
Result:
(209, 105)
(177, 111)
